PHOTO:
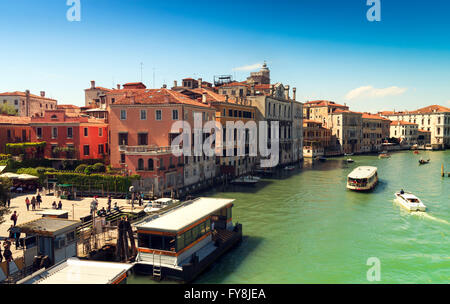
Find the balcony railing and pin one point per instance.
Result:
(149, 150)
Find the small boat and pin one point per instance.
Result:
(289, 168)
(409, 201)
(423, 162)
(363, 178)
(159, 204)
(246, 180)
(322, 158)
(384, 155)
(416, 152)
(348, 154)
(349, 160)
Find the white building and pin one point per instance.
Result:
(406, 132)
(435, 119)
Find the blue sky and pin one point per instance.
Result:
(327, 49)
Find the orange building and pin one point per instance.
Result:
(13, 129)
(315, 138)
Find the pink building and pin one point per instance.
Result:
(141, 137)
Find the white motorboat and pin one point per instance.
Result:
(409, 201)
(246, 180)
(349, 160)
(289, 168)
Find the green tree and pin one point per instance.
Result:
(5, 194)
(8, 109)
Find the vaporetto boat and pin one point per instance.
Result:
(409, 201)
(362, 178)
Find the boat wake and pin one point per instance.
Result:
(430, 217)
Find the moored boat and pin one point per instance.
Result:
(362, 178)
(246, 180)
(349, 160)
(185, 241)
(289, 168)
(409, 201)
(384, 155)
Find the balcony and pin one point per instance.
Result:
(145, 150)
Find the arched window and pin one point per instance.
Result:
(140, 164)
(150, 164)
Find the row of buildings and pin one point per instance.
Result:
(333, 129)
(130, 128)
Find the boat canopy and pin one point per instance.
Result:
(363, 172)
(184, 216)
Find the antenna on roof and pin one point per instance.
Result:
(142, 66)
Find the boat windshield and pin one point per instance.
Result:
(413, 200)
(358, 182)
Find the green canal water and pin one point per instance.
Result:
(303, 226)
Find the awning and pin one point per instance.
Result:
(27, 177)
(10, 175)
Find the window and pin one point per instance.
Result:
(9, 134)
(122, 158)
(54, 132)
(140, 164)
(143, 114)
(69, 132)
(86, 150)
(101, 149)
(85, 131)
(142, 139)
(16, 102)
(158, 114)
(39, 132)
(123, 139)
(100, 132)
(174, 114)
(150, 164)
(123, 114)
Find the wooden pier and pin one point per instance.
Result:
(443, 173)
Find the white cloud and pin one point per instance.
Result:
(250, 67)
(371, 92)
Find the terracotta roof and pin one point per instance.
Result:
(14, 120)
(235, 84)
(67, 107)
(324, 103)
(420, 130)
(340, 111)
(402, 123)
(432, 109)
(210, 95)
(372, 116)
(23, 94)
(157, 96)
(263, 86)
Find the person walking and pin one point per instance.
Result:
(54, 206)
(38, 200)
(60, 205)
(33, 203)
(27, 202)
(108, 208)
(1, 256)
(11, 232)
(9, 202)
(14, 217)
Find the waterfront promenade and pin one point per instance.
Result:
(76, 208)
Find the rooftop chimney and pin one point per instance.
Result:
(272, 89)
(118, 86)
(200, 83)
(226, 98)
(286, 92)
(42, 93)
(204, 98)
(175, 84)
(133, 99)
(92, 84)
(164, 86)
(294, 92)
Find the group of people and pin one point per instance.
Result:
(137, 196)
(7, 254)
(57, 206)
(35, 202)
